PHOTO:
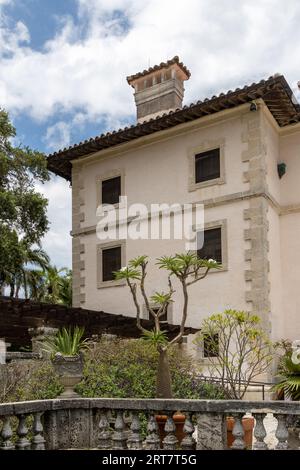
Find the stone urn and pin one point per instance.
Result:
(70, 371)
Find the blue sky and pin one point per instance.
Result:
(63, 66)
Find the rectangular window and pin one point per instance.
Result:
(111, 190)
(111, 261)
(207, 165)
(212, 246)
(162, 318)
(211, 346)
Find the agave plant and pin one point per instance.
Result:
(67, 342)
(289, 378)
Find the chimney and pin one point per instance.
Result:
(159, 89)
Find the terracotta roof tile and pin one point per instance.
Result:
(162, 65)
(275, 92)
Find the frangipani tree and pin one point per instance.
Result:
(242, 349)
(188, 269)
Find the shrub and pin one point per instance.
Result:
(127, 369)
(113, 368)
(28, 380)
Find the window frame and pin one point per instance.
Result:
(205, 349)
(100, 249)
(147, 316)
(107, 176)
(222, 224)
(206, 146)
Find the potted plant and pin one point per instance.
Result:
(242, 351)
(187, 269)
(288, 372)
(65, 349)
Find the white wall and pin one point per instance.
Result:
(159, 173)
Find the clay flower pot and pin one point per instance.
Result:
(70, 370)
(248, 426)
(179, 420)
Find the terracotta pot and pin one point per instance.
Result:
(178, 419)
(248, 426)
(69, 369)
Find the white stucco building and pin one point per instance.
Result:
(226, 152)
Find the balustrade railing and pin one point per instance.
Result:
(103, 423)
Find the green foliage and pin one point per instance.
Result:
(127, 369)
(184, 264)
(157, 338)
(42, 384)
(113, 369)
(50, 285)
(28, 380)
(160, 298)
(289, 376)
(127, 273)
(23, 219)
(242, 349)
(67, 342)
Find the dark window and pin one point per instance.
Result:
(111, 190)
(212, 246)
(111, 261)
(163, 318)
(211, 346)
(207, 165)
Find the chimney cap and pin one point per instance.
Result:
(162, 65)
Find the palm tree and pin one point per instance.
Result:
(31, 258)
(58, 285)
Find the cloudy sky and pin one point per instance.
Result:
(63, 65)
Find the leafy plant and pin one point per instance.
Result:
(243, 349)
(114, 369)
(157, 338)
(67, 342)
(23, 210)
(127, 369)
(288, 373)
(186, 268)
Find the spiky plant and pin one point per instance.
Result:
(157, 338)
(289, 377)
(68, 342)
(186, 269)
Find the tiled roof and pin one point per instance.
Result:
(275, 92)
(162, 65)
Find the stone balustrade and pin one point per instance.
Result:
(102, 423)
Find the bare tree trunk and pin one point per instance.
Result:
(164, 383)
(12, 289)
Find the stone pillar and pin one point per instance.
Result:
(38, 335)
(211, 431)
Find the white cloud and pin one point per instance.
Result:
(82, 69)
(58, 136)
(85, 67)
(57, 241)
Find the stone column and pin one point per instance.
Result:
(38, 335)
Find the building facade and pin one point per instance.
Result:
(238, 154)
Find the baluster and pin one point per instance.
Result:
(6, 435)
(22, 431)
(260, 432)
(170, 441)
(119, 436)
(135, 440)
(104, 433)
(152, 440)
(281, 433)
(188, 442)
(238, 432)
(38, 441)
